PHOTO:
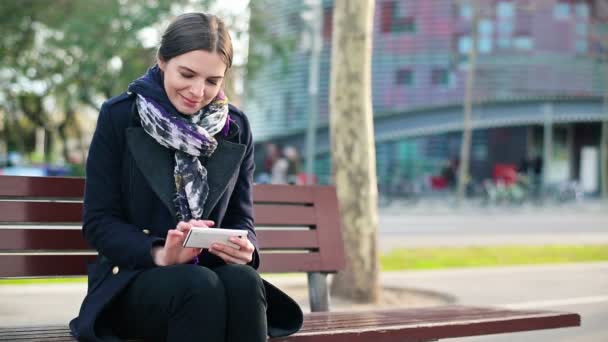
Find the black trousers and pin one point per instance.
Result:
(192, 303)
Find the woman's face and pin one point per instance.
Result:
(193, 79)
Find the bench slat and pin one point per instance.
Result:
(284, 215)
(69, 265)
(263, 193)
(63, 187)
(72, 239)
(43, 265)
(418, 324)
(46, 239)
(51, 212)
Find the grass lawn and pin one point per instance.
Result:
(442, 258)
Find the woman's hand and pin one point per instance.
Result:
(172, 252)
(231, 255)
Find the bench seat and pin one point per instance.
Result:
(416, 324)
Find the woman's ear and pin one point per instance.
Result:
(161, 64)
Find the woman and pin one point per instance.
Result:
(170, 154)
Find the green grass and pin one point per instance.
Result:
(441, 258)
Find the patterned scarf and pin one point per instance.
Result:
(191, 136)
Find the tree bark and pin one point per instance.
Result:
(353, 150)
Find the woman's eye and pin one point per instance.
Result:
(212, 82)
(187, 75)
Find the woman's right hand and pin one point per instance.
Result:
(173, 252)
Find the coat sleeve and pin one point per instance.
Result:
(104, 219)
(239, 214)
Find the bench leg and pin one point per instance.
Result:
(318, 291)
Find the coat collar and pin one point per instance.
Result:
(156, 164)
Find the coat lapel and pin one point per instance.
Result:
(221, 166)
(156, 164)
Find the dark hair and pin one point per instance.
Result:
(196, 31)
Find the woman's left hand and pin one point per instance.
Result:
(232, 255)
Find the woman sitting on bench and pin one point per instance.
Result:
(168, 155)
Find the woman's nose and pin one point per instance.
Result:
(198, 89)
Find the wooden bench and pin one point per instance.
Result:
(299, 231)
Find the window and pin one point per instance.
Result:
(561, 10)
(523, 43)
(393, 18)
(582, 10)
(505, 12)
(464, 45)
(439, 77)
(485, 29)
(466, 11)
(505, 9)
(404, 77)
(328, 20)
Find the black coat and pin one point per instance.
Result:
(128, 209)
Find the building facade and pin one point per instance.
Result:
(539, 72)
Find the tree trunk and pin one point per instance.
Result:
(353, 150)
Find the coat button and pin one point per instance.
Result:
(115, 270)
(147, 232)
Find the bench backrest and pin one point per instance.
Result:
(298, 228)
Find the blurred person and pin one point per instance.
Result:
(293, 164)
(278, 174)
(168, 155)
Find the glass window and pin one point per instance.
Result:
(439, 77)
(561, 10)
(581, 29)
(466, 11)
(464, 45)
(581, 46)
(504, 42)
(404, 77)
(505, 9)
(485, 27)
(485, 45)
(582, 10)
(523, 43)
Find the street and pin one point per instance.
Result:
(425, 225)
(580, 288)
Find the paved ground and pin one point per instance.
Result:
(440, 224)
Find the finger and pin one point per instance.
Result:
(174, 238)
(227, 258)
(183, 226)
(203, 223)
(232, 252)
(243, 243)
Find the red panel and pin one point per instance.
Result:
(282, 193)
(41, 186)
(285, 215)
(42, 212)
(43, 265)
(290, 262)
(285, 239)
(45, 239)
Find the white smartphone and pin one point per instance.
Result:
(205, 237)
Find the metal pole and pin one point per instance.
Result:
(313, 87)
(547, 142)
